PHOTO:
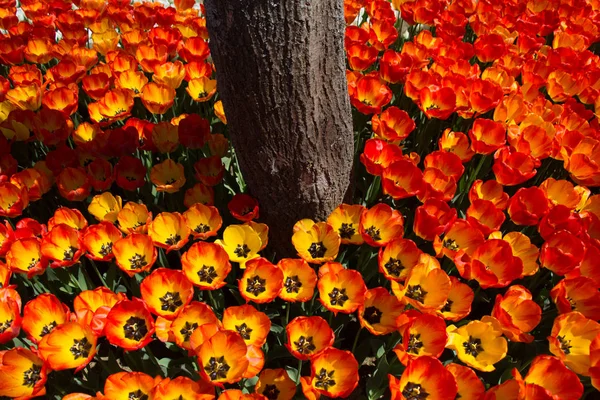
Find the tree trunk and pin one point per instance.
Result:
(281, 76)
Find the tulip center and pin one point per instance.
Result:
(271, 392)
(346, 231)
(217, 368)
(448, 306)
(202, 228)
(338, 297)
(292, 284)
(170, 301)
(372, 315)
(69, 253)
(242, 250)
(32, 375)
(256, 285)
(244, 331)
(571, 303)
(450, 244)
(48, 328)
(207, 274)
(473, 346)
(416, 292)
(565, 345)
(106, 249)
(305, 345)
(373, 232)
(5, 325)
(188, 329)
(394, 267)
(138, 261)
(414, 391)
(173, 239)
(170, 181)
(414, 343)
(317, 250)
(137, 395)
(81, 348)
(325, 379)
(33, 263)
(135, 328)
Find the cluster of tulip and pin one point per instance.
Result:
(133, 266)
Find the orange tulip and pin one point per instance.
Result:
(424, 377)
(381, 224)
(204, 221)
(68, 346)
(166, 292)
(308, 337)
(134, 253)
(299, 280)
(379, 311)
(261, 281)
(517, 313)
(129, 325)
(157, 98)
(92, 306)
(22, 374)
(422, 335)
(42, 314)
(252, 325)
(334, 373)
(342, 291)
(223, 358)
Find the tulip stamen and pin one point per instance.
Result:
(305, 345)
(338, 297)
(416, 292)
(317, 250)
(451, 244)
(170, 181)
(138, 261)
(106, 249)
(69, 253)
(244, 331)
(292, 284)
(414, 391)
(5, 325)
(188, 329)
(33, 263)
(202, 228)
(135, 328)
(373, 232)
(271, 392)
(256, 285)
(473, 346)
(32, 375)
(394, 267)
(325, 379)
(448, 306)
(137, 395)
(346, 231)
(170, 301)
(372, 315)
(173, 239)
(48, 328)
(207, 274)
(81, 348)
(217, 368)
(242, 250)
(414, 344)
(565, 345)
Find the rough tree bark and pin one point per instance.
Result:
(281, 75)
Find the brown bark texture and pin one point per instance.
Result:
(281, 76)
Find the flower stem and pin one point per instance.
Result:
(356, 340)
